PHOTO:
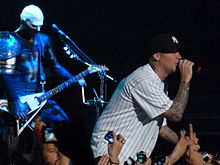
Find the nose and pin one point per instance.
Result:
(178, 55)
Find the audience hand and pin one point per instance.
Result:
(104, 160)
(193, 157)
(115, 148)
(179, 149)
(38, 129)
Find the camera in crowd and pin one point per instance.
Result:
(159, 160)
(109, 137)
(205, 155)
(48, 135)
(141, 157)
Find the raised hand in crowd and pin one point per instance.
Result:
(179, 149)
(193, 156)
(114, 150)
(46, 153)
(187, 145)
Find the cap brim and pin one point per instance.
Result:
(173, 49)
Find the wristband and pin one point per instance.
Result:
(113, 162)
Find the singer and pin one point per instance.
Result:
(140, 107)
(27, 54)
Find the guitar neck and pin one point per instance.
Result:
(62, 86)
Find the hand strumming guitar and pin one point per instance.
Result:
(19, 109)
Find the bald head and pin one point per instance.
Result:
(33, 14)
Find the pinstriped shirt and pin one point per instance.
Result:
(135, 112)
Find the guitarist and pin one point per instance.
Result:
(25, 55)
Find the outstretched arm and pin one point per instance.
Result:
(168, 134)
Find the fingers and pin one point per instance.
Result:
(185, 67)
(191, 133)
(21, 115)
(114, 136)
(186, 63)
(210, 159)
(118, 137)
(148, 162)
(182, 133)
(121, 138)
(104, 160)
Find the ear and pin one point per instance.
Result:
(156, 56)
(28, 22)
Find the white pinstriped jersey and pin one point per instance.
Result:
(135, 112)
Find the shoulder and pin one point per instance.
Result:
(142, 73)
(10, 45)
(143, 76)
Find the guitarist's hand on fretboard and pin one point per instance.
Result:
(19, 110)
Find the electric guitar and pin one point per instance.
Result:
(37, 100)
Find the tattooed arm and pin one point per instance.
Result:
(179, 103)
(169, 135)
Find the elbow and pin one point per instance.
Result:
(176, 118)
(173, 117)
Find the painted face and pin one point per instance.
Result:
(32, 26)
(169, 61)
(29, 30)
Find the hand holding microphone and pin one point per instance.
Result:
(187, 67)
(186, 70)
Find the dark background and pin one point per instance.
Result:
(117, 32)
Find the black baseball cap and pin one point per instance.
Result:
(165, 43)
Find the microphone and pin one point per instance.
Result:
(55, 27)
(201, 70)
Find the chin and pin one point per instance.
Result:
(172, 71)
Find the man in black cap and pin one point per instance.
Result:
(140, 106)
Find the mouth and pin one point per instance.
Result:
(177, 64)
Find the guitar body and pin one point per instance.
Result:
(37, 100)
(32, 102)
(34, 108)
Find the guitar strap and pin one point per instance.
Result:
(41, 78)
